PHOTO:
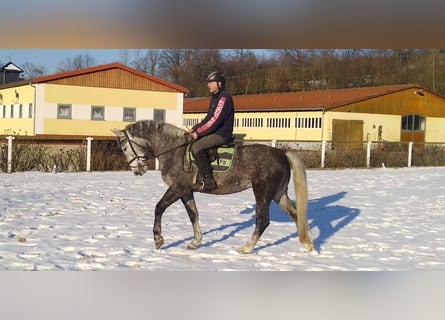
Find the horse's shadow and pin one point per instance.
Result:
(324, 216)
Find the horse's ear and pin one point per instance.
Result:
(118, 132)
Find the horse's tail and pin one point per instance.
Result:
(301, 195)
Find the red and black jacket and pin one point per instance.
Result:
(219, 118)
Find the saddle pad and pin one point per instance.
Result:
(222, 162)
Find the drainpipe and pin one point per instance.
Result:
(323, 111)
(323, 142)
(34, 108)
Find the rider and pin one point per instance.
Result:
(214, 130)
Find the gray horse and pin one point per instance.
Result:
(265, 169)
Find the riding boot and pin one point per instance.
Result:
(205, 180)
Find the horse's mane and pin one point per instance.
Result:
(172, 130)
(143, 127)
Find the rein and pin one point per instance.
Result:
(131, 142)
(170, 150)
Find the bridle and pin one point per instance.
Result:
(131, 143)
(146, 157)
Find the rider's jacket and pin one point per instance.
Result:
(219, 118)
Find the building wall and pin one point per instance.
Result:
(254, 125)
(16, 127)
(400, 103)
(391, 125)
(109, 97)
(287, 126)
(114, 101)
(384, 112)
(16, 110)
(435, 130)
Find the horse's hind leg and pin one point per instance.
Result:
(262, 221)
(192, 211)
(288, 207)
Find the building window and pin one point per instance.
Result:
(278, 122)
(4, 111)
(63, 111)
(159, 114)
(30, 111)
(308, 123)
(190, 122)
(252, 122)
(413, 122)
(129, 114)
(20, 110)
(97, 113)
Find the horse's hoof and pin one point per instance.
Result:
(192, 246)
(309, 246)
(244, 250)
(159, 242)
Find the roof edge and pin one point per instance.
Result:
(103, 67)
(396, 88)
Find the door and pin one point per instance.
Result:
(347, 134)
(413, 129)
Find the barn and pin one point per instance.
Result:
(87, 103)
(344, 117)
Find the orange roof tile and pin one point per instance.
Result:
(307, 100)
(104, 67)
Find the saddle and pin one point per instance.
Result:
(221, 157)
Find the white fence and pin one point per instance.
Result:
(324, 154)
(366, 154)
(10, 155)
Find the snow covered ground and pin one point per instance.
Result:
(360, 219)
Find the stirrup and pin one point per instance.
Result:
(200, 185)
(210, 186)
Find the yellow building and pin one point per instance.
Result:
(398, 113)
(87, 103)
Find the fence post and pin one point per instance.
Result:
(323, 153)
(10, 138)
(368, 155)
(274, 143)
(89, 153)
(410, 153)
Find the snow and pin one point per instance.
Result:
(360, 219)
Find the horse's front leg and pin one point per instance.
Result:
(192, 211)
(169, 197)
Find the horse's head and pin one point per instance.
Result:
(148, 139)
(135, 150)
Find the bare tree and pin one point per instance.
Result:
(284, 70)
(80, 61)
(124, 57)
(32, 71)
(172, 62)
(148, 62)
(198, 63)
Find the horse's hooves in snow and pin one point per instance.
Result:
(159, 242)
(192, 246)
(244, 250)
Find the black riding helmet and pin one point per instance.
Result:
(216, 76)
